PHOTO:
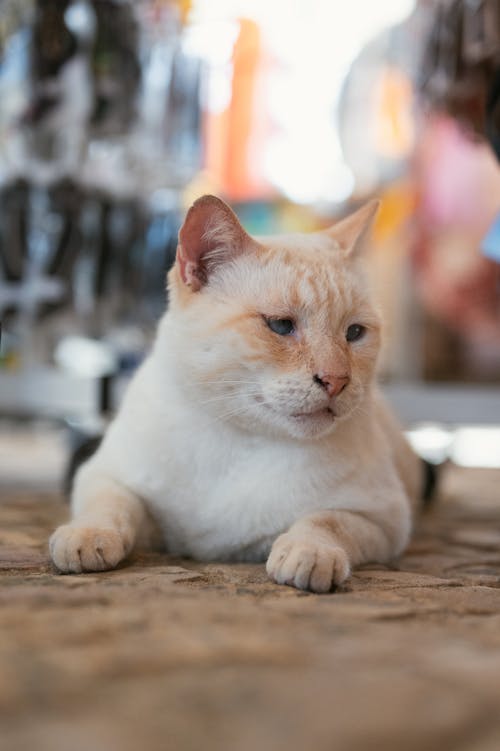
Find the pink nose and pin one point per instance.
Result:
(332, 384)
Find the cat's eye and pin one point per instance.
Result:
(355, 332)
(281, 326)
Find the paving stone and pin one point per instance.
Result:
(172, 654)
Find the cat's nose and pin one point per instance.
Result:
(332, 384)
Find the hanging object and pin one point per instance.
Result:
(460, 69)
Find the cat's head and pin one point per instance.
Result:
(277, 335)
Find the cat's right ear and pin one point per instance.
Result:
(211, 235)
(350, 233)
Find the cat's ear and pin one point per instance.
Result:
(211, 235)
(351, 232)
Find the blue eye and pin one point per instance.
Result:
(355, 332)
(281, 326)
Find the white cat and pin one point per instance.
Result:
(254, 428)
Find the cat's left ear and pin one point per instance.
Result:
(350, 233)
(210, 236)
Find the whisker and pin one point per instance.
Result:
(232, 413)
(360, 409)
(225, 415)
(252, 383)
(226, 397)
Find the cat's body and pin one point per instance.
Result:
(255, 423)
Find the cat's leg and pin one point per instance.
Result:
(319, 550)
(107, 519)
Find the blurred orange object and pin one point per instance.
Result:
(235, 136)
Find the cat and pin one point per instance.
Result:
(254, 430)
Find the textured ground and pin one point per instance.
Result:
(166, 654)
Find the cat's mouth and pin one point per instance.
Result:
(315, 414)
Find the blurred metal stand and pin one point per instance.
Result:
(99, 135)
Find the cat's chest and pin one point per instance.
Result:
(216, 491)
(230, 493)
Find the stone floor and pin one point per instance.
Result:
(170, 654)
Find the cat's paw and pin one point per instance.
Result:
(305, 563)
(76, 549)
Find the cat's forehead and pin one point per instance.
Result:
(299, 269)
(313, 264)
(292, 273)
(300, 246)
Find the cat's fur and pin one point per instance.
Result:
(244, 444)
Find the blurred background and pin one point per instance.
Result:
(115, 115)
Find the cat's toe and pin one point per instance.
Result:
(330, 569)
(76, 549)
(307, 564)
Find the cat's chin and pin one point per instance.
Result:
(313, 424)
(318, 414)
(304, 425)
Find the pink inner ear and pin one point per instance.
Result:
(209, 224)
(193, 244)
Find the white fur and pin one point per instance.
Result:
(224, 468)
(219, 492)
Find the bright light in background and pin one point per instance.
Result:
(431, 442)
(312, 44)
(84, 357)
(213, 42)
(477, 447)
(466, 446)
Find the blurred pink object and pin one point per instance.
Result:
(459, 186)
(459, 177)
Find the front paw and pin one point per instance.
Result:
(76, 549)
(304, 563)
